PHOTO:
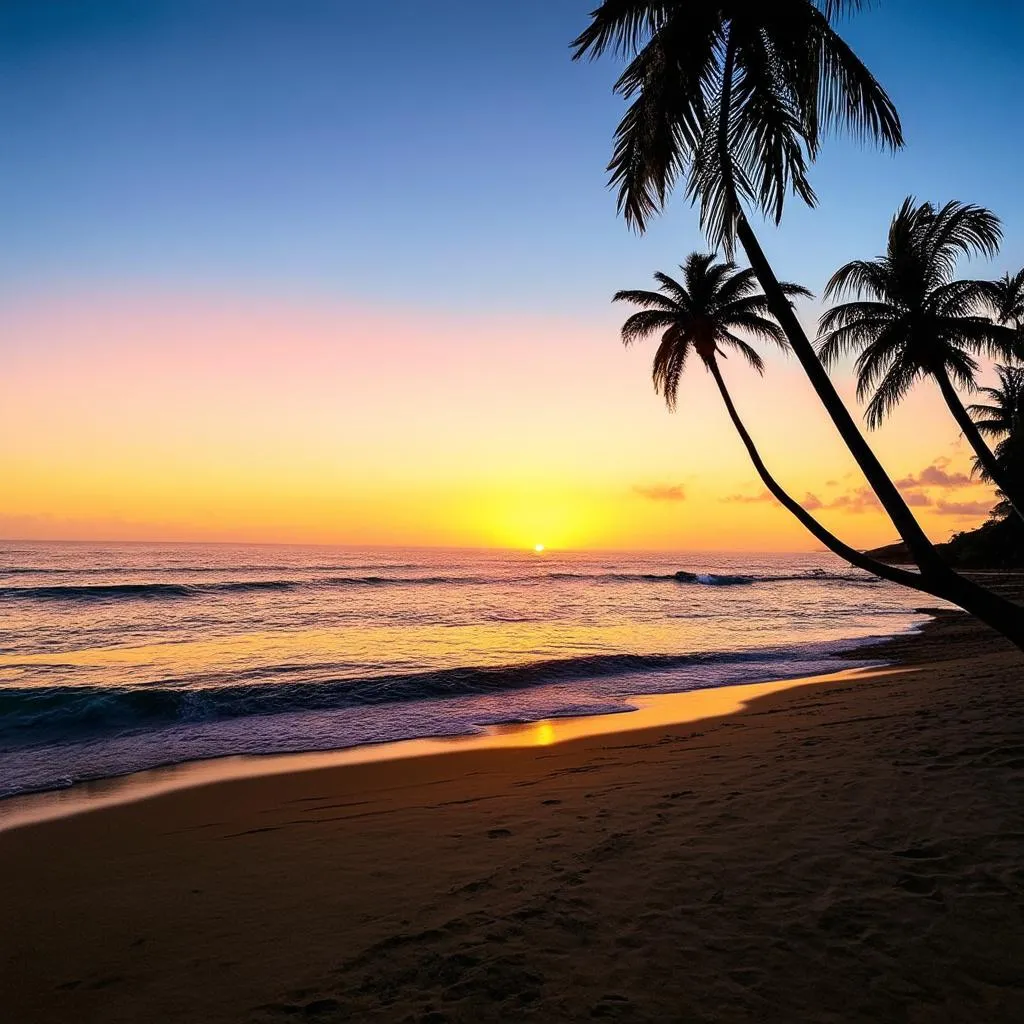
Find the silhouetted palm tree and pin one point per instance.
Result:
(733, 99)
(1004, 412)
(706, 315)
(1008, 300)
(1002, 418)
(914, 320)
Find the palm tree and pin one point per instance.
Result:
(706, 315)
(734, 99)
(1005, 412)
(1008, 300)
(912, 319)
(1002, 418)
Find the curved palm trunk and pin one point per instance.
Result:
(909, 529)
(833, 543)
(977, 442)
(922, 550)
(1002, 615)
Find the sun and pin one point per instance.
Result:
(539, 548)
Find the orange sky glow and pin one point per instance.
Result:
(194, 418)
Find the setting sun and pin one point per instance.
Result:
(539, 548)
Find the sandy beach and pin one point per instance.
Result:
(842, 851)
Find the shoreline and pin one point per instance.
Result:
(639, 711)
(843, 850)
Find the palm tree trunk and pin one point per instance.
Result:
(833, 543)
(892, 501)
(1002, 615)
(921, 549)
(977, 442)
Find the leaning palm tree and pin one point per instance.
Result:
(706, 315)
(912, 319)
(733, 99)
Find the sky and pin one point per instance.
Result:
(306, 270)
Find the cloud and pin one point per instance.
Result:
(935, 475)
(660, 492)
(811, 502)
(963, 508)
(746, 499)
(915, 499)
(860, 500)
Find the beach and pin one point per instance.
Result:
(847, 850)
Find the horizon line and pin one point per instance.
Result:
(405, 547)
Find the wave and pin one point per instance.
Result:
(157, 570)
(44, 714)
(138, 591)
(175, 591)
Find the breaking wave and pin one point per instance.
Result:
(177, 591)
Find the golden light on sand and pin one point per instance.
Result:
(543, 734)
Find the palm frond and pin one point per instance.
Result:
(846, 340)
(649, 300)
(766, 131)
(1008, 298)
(673, 289)
(833, 9)
(865, 277)
(795, 291)
(962, 229)
(758, 327)
(645, 323)
(619, 26)
(891, 390)
(960, 298)
(661, 132)
(979, 334)
(669, 363)
(746, 350)
(961, 368)
(987, 427)
(741, 284)
(848, 312)
(849, 96)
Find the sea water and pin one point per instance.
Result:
(121, 657)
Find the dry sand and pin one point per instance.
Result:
(842, 851)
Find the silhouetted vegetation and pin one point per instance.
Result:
(732, 101)
(913, 319)
(706, 315)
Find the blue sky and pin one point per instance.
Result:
(444, 155)
(313, 269)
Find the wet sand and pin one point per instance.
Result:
(848, 850)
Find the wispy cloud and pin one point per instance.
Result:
(963, 508)
(861, 499)
(746, 499)
(915, 499)
(660, 492)
(936, 475)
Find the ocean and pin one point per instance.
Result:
(120, 657)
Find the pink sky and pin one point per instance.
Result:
(188, 417)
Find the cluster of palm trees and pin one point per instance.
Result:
(731, 100)
(911, 319)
